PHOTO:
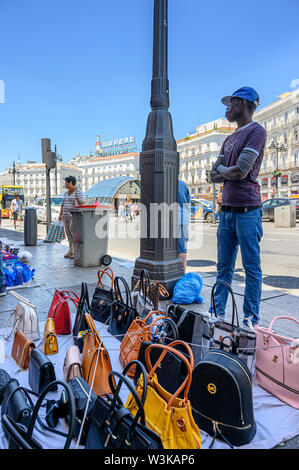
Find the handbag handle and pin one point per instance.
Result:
(38, 405)
(154, 312)
(187, 382)
(123, 379)
(22, 299)
(108, 271)
(84, 297)
(118, 292)
(233, 343)
(94, 332)
(234, 312)
(173, 326)
(145, 285)
(281, 318)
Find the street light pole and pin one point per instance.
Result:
(278, 148)
(159, 169)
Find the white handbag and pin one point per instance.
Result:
(25, 319)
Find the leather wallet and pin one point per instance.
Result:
(41, 371)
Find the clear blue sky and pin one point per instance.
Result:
(74, 69)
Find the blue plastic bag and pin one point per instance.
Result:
(187, 290)
(18, 274)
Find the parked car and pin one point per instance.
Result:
(41, 210)
(201, 209)
(270, 204)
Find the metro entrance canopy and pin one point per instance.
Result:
(108, 190)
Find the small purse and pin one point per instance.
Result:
(123, 313)
(102, 299)
(72, 363)
(166, 414)
(96, 363)
(21, 350)
(112, 426)
(41, 371)
(80, 325)
(50, 338)
(25, 319)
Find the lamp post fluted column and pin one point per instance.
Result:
(159, 168)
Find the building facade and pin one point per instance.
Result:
(99, 168)
(199, 151)
(281, 121)
(32, 177)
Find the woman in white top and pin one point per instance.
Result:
(72, 197)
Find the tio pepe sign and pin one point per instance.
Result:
(118, 142)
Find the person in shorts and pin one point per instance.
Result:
(16, 208)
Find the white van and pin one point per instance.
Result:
(41, 210)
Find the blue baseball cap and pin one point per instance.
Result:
(246, 93)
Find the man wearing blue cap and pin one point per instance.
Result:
(237, 167)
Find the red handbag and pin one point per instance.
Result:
(60, 311)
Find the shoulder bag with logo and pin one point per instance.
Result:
(25, 319)
(277, 363)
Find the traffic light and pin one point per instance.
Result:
(48, 157)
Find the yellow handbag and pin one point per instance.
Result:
(168, 415)
(50, 338)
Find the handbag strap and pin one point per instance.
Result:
(68, 294)
(109, 272)
(145, 285)
(154, 312)
(281, 318)
(93, 330)
(119, 296)
(234, 311)
(17, 317)
(84, 297)
(22, 299)
(72, 406)
(233, 343)
(185, 386)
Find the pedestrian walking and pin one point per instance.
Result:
(240, 223)
(2, 278)
(16, 209)
(96, 202)
(72, 197)
(184, 201)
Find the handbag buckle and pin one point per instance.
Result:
(181, 424)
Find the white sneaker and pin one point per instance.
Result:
(248, 324)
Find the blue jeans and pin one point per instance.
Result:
(2, 276)
(244, 230)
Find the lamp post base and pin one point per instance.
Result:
(167, 273)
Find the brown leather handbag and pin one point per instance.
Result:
(95, 360)
(50, 338)
(138, 332)
(72, 364)
(21, 349)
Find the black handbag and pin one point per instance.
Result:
(4, 381)
(193, 327)
(103, 297)
(123, 313)
(141, 295)
(41, 371)
(20, 434)
(83, 394)
(245, 339)
(113, 426)
(15, 405)
(221, 397)
(80, 324)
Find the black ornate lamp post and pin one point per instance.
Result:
(159, 168)
(277, 172)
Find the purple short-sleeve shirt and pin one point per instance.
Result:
(245, 192)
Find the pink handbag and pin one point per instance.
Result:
(277, 363)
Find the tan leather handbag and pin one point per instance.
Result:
(95, 360)
(72, 364)
(138, 332)
(50, 338)
(21, 349)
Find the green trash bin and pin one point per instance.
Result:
(90, 226)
